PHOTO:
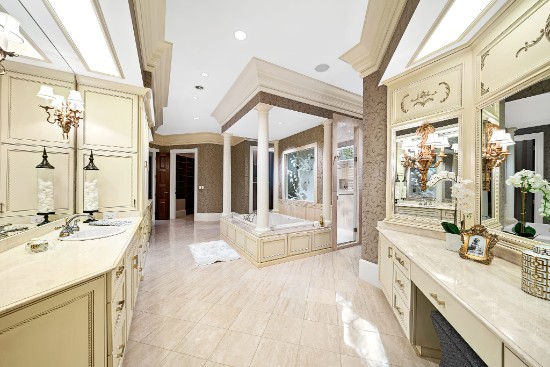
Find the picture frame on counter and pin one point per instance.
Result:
(478, 244)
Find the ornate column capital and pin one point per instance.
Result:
(263, 108)
(327, 123)
(227, 135)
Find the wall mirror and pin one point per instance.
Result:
(419, 153)
(515, 142)
(300, 173)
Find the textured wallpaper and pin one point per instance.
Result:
(374, 143)
(313, 135)
(209, 200)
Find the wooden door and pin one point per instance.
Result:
(162, 196)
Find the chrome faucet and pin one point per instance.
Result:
(71, 225)
(250, 217)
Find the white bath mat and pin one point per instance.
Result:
(206, 253)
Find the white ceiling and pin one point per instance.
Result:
(282, 123)
(59, 51)
(297, 35)
(426, 14)
(528, 112)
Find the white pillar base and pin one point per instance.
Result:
(369, 272)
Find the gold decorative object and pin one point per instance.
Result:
(544, 32)
(37, 245)
(535, 269)
(67, 113)
(424, 97)
(477, 245)
(426, 157)
(494, 151)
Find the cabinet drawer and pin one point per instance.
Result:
(118, 306)
(482, 341)
(117, 348)
(402, 285)
(299, 243)
(117, 275)
(402, 312)
(510, 359)
(402, 262)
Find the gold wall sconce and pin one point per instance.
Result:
(67, 113)
(422, 154)
(495, 151)
(9, 31)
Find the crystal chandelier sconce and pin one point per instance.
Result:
(495, 151)
(422, 155)
(66, 113)
(45, 188)
(91, 190)
(9, 32)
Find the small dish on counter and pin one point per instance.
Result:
(37, 245)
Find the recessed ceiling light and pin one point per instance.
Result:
(195, 118)
(321, 68)
(195, 98)
(204, 74)
(240, 35)
(199, 87)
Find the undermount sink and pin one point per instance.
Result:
(94, 233)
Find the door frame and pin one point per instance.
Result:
(539, 166)
(153, 169)
(173, 154)
(358, 145)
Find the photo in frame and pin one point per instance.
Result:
(477, 245)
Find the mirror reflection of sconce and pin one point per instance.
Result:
(67, 113)
(422, 155)
(495, 151)
(9, 31)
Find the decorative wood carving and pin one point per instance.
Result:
(483, 89)
(483, 57)
(544, 32)
(425, 97)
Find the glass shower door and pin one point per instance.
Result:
(346, 166)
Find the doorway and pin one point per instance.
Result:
(347, 148)
(253, 199)
(184, 165)
(162, 186)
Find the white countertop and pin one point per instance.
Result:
(25, 277)
(492, 293)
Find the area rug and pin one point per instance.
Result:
(207, 253)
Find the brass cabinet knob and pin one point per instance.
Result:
(435, 297)
(121, 354)
(400, 283)
(119, 271)
(120, 306)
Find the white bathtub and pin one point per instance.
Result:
(276, 221)
(543, 231)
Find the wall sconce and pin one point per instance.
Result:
(45, 180)
(9, 31)
(495, 151)
(424, 155)
(67, 113)
(91, 191)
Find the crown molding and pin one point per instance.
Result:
(107, 84)
(192, 139)
(380, 22)
(262, 76)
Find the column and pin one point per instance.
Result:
(226, 174)
(262, 216)
(327, 170)
(276, 172)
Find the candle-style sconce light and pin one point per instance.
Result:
(91, 190)
(495, 151)
(45, 174)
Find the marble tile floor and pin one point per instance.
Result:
(309, 312)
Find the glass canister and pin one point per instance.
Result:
(45, 187)
(91, 188)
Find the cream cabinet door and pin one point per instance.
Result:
(18, 187)
(385, 266)
(117, 180)
(22, 121)
(111, 120)
(66, 329)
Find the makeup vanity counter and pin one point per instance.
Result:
(485, 304)
(71, 305)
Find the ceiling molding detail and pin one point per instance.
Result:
(155, 53)
(192, 139)
(380, 22)
(262, 76)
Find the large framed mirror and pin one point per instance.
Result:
(420, 152)
(514, 159)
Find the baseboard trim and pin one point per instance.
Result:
(207, 217)
(369, 272)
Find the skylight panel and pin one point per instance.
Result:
(458, 18)
(85, 29)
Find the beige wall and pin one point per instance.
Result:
(210, 168)
(313, 135)
(374, 143)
